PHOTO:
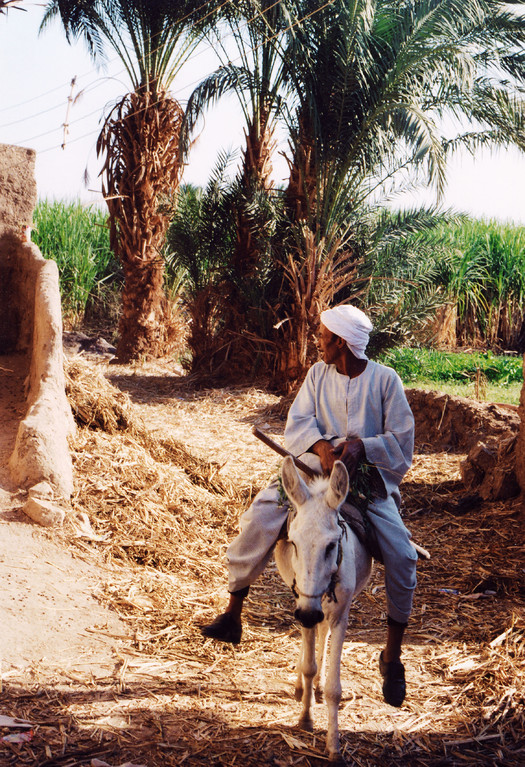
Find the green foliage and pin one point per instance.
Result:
(221, 300)
(480, 266)
(398, 266)
(198, 250)
(202, 232)
(77, 238)
(416, 261)
(362, 89)
(374, 80)
(444, 367)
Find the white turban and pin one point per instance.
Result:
(351, 324)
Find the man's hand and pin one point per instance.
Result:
(350, 452)
(323, 449)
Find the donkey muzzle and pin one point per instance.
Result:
(308, 618)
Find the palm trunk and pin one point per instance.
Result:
(302, 193)
(144, 325)
(255, 177)
(142, 170)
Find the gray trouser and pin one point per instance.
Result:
(252, 549)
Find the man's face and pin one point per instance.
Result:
(329, 345)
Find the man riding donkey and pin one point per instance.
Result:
(351, 409)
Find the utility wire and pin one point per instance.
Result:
(152, 104)
(96, 83)
(108, 63)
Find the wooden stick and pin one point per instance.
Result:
(281, 450)
(421, 552)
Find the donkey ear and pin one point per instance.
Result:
(294, 485)
(338, 486)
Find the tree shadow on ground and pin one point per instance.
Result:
(144, 388)
(163, 724)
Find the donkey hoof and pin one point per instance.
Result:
(298, 692)
(335, 758)
(306, 723)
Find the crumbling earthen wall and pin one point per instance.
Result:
(457, 424)
(491, 435)
(31, 322)
(17, 201)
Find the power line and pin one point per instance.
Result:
(29, 117)
(60, 105)
(108, 63)
(142, 109)
(98, 81)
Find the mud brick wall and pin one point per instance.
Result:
(18, 196)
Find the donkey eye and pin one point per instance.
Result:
(329, 549)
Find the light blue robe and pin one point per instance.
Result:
(372, 406)
(334, 407)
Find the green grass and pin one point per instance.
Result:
(480, 375)
(509, 394)
(77, 238)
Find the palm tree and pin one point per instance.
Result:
(364, 86)
(200, 241)
(374, 82)
(375, 79)
(140, 141)
(255, 29)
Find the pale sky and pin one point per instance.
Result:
(36, 82)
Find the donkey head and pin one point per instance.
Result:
(314, 536)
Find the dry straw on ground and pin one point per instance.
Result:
(162, 473)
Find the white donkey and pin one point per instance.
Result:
(325, 565)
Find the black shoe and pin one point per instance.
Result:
(225, 628)
(394, 687)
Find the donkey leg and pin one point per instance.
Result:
(308, 671)
(333, 688)
(322, 645)
(299, 675)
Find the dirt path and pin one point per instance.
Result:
(49, 616)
